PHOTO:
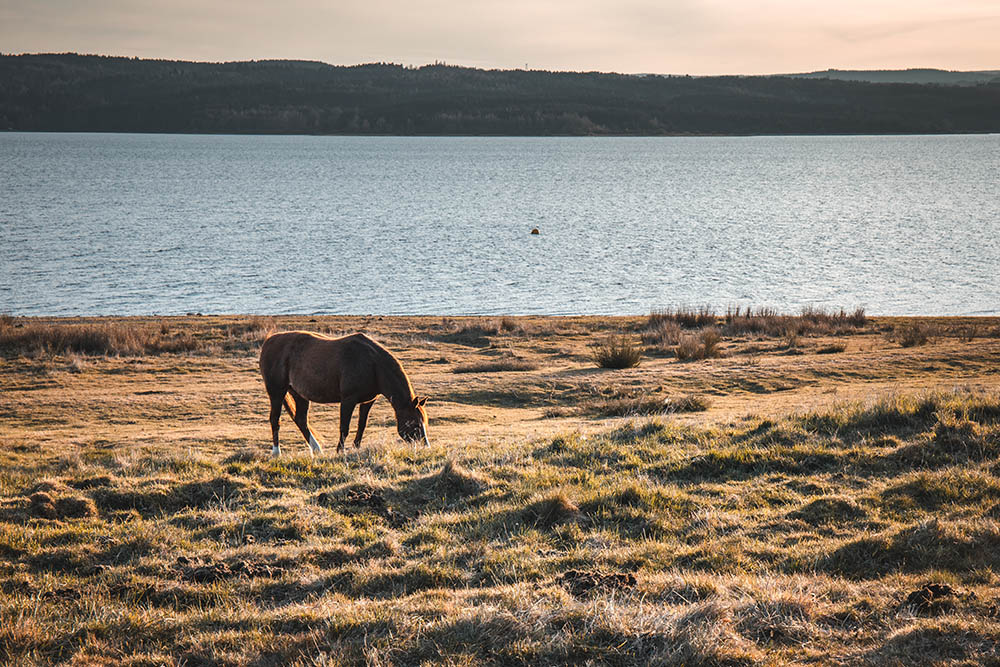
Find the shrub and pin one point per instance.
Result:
(689, 318)
(810, 321)
(112, 338)
(913, 335)
(617, 352)
(702, 346)
(663, 335)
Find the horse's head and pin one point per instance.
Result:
(411, 420)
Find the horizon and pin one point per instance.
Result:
(486, 68)
(688, 37)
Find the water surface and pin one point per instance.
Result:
(166, 224)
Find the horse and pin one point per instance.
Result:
(352, 371)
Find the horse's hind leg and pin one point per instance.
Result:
(301, 418)
(276, 401)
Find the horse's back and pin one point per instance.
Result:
(316, 365)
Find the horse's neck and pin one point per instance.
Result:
(394, 385)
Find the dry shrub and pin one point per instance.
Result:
(701, 346)
(617, 352)
(809, 322)
(105, 339)
(663, 335)
(689, 318)
(913, 334)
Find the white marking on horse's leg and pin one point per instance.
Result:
(314, 446)
(275, 451)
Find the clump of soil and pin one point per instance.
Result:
(203, 573)
(42, 506)
(90, 482)
(358, 496)
(585, 582)
(75, 507)
(932, 598)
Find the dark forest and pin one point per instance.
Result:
(68, 92)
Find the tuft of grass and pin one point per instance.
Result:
(617, 351)
(107, 339)
(551, 511)
(702, 346)
(913, 334)
(809, 322)
(689, 318)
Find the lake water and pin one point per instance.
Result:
(167, 224)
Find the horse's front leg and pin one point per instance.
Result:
(346, 410)
(363, 411)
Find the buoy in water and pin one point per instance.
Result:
(534, 230)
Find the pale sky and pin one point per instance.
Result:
(668, 37)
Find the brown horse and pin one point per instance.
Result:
(352, 370)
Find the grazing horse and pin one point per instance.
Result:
(352, 370)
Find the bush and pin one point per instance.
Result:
(112, 338)
(617, 352)
(913, 335)
(689, 318)
(702, 346)
(810, 321)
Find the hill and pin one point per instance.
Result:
(69, 92)
(916, 75)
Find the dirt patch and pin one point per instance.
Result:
(202, 572)
(62, 594)
(90, 482)
(42, 506)
(932, 599)
(586, 582)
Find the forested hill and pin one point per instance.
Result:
(94, 93)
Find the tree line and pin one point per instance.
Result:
(69, 92)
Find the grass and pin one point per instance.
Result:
(621, 547)
(142, 521)
(704, 345)
(496, 366)
(809, 322)
(34, 338)
(914, 334)
(617, 351)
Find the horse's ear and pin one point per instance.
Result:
(419, 401)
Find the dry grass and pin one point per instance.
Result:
(496, 366)
(617, 351)
(688, 318)
(142, 522)
(704, 345)
(764, 541)
(914, 334)
(810, 322)
(34, 338)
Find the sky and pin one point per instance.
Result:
(631, 36)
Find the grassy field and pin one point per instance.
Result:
(820, 488)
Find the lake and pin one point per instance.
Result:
(167, 224)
